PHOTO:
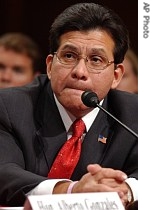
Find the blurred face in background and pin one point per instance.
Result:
(16, 69)
(129, 81)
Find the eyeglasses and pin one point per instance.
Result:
(94, 63)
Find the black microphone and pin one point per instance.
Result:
(90, 99)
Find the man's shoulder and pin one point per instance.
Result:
(124, 106)
(20, 94)
(122, 103)
(123, 97)
(38, 83)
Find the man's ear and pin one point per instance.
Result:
(49, 61)
(118, 74)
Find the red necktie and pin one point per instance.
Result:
(69, 154)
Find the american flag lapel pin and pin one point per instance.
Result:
(102, 139)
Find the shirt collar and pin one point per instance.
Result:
(68, 119)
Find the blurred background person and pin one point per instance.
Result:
(20, 60)
(129, 80)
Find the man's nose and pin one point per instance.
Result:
(80, 69)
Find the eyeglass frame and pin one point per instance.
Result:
(86, 61)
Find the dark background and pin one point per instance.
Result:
(34, 18)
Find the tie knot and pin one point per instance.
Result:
(78, 127)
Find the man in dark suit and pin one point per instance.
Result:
(87, 46)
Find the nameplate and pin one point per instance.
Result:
(77, 201)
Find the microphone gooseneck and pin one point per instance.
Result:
(90, 99)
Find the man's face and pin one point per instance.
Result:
(69, 82)
(15, 68)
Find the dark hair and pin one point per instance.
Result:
(88, 16)
(23, 44)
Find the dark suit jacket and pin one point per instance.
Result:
(32, 132)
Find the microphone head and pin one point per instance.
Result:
(90, 99)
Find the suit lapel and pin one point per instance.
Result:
(50, 134)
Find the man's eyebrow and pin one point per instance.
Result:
(70, 47)
(95, 50)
